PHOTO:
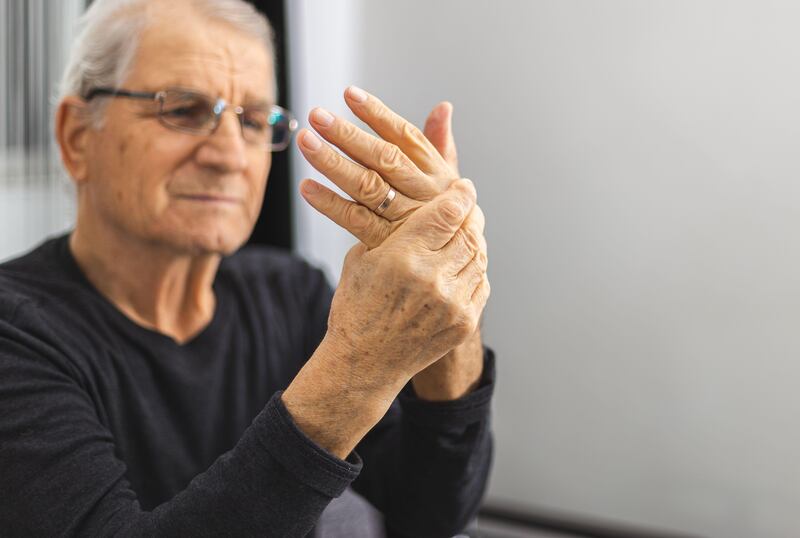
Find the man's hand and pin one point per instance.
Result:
(398, 308)
(418, 166)
(402, 158)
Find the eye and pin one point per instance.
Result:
(186, 110)
(256, 120)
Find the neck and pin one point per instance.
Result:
(155, 286)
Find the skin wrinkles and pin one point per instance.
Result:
(152, 229)
(202, 169)
(176, 201)
(399, 155)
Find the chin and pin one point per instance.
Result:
(201, 231)
(220, 243)
(203, 240)
(222, 246)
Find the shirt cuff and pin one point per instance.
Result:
(296, 452)
(470, 408)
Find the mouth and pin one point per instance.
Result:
(209, 198)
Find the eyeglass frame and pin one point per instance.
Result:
(220, 105)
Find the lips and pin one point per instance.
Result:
(210, 198)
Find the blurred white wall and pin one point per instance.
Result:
(323, 61)
(35, 195)
(31, 213)
(637, 163)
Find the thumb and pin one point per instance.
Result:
(434, 224)
(439, 130)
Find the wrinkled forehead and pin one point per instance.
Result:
(192, 51)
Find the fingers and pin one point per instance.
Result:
(395, 129)
(363, 185)
(367, 227)
(439, 130)
(376, 154)
(466, 251)
(473, 273)
(480, 296)
(434, 224)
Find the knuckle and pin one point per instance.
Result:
(482, 262)
(480, 215)
(326, 202)
(411, 132)
(345, 133)
(389, 156)
(451, 211)
(357, 219)
(466, 186)
(401, 264)
(405, 165)
(370, 185)
(484, 247)
(477, 218)
(461, 243)
(330, 160)
(435, 289)
(471, 239)
(440, 226)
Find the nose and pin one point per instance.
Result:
(224, 150)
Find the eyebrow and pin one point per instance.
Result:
(249, 100)
(265, 103)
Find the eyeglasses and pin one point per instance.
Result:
(268, 126)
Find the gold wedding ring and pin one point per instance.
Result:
(386, 202)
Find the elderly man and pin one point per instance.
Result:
(153, 381)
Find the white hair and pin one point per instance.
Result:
(103, 52)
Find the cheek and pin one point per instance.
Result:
(111, 178)
(131, 185)
(258, 184)
(153, 166)
(121, 182)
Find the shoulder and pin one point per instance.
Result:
(34, 278)
(45, 305)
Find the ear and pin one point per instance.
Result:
(72, 130)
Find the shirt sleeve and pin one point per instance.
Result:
(60, 475)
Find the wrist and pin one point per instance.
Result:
(360, 371)
(334, 401)
(453, 376)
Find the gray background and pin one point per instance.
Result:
(637, 163)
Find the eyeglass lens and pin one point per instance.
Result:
(196, 113)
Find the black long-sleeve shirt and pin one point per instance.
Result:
(109, 428)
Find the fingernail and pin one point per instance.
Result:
(322, 117)
(310, 141)
(310, 187)
(447, 109)
(356, 94)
